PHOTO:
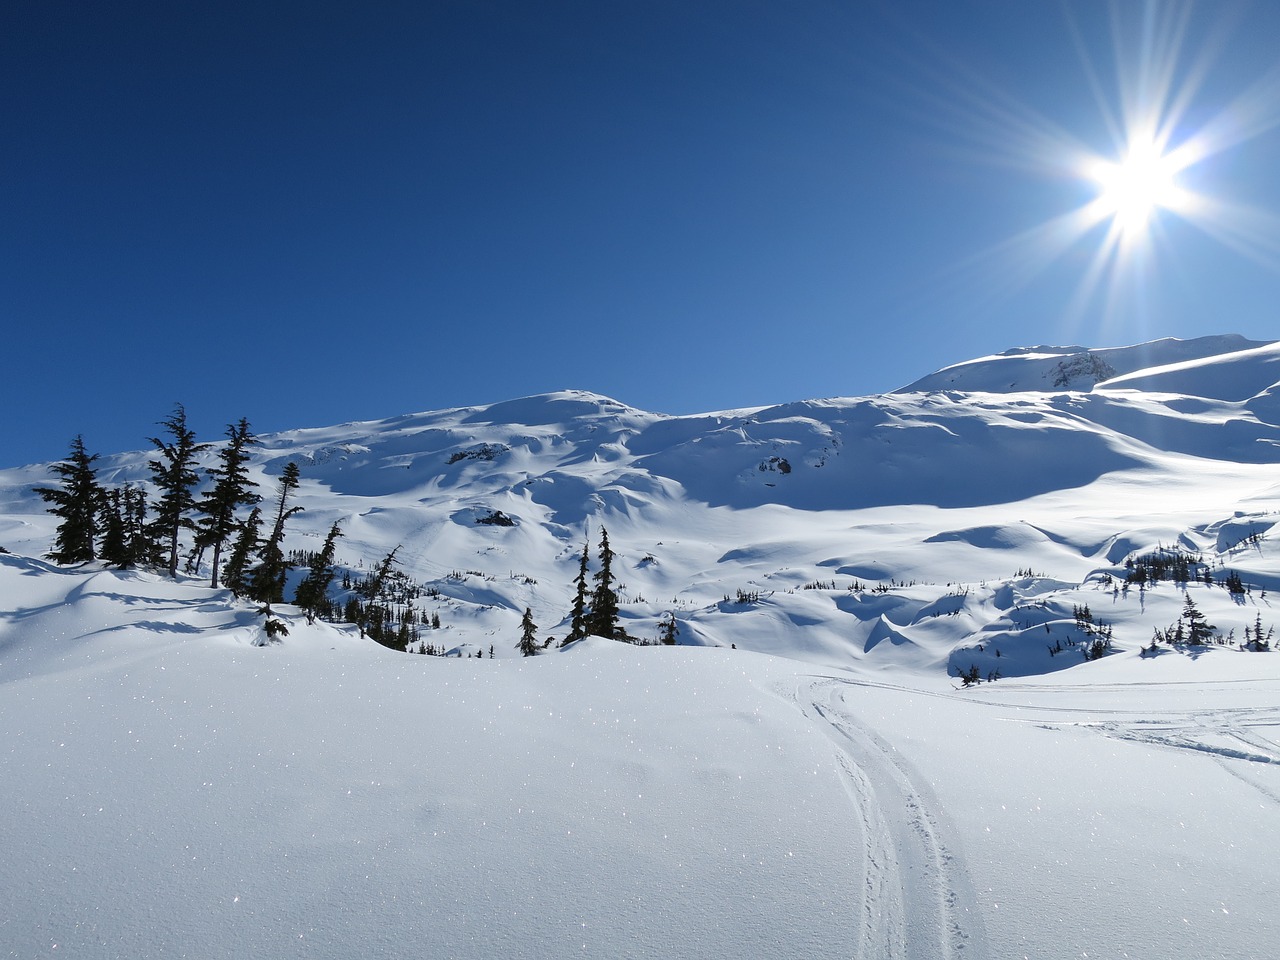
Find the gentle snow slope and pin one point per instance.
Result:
(174, 790)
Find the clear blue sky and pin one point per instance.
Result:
(307, 213)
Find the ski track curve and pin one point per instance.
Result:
(916, 901)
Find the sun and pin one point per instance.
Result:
(1133, 189)
(1137, 175)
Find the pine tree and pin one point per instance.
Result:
(313, 592)
(603, 621)
(578, 615)
(266, 583)
(232, 489)
(528, 635)
(140, 549)
(379, 578)
(176, 480)
(1199, 630)
(235, 574)
(77, 502)
(668, 630)
(111, 521)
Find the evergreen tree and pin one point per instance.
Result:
(313, 592)
(78, 502)
(266, 583)
(668, 630)
(603, 621)
(379, 578)
(111, 521)
(578, 615)
(1199, 630)
(176, 479)
(235, 573)
(232, 489)
(528, 640)
(140, 548)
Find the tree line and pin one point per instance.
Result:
(595, 610)
(124, 527)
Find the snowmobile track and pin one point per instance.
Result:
(916, 900)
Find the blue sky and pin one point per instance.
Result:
(307, 213)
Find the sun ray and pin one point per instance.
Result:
(1153, 165)
(1140, 184)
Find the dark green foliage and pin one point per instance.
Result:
(377, 582)
(528, 635)
(1199, 629)
(1099, 633)
(140, 548)
(231, 490)
(603, 620)
(78, 502)
(1191, 628)
(1096, 649)
(668, 630)
(266, 582)
(111, 521)
(273, 627)
(235, 574)
(1165, 563)
(578, 615)
(313, 592)
(375, 619)
(176, 480)
(126, 540)
(1255, 639)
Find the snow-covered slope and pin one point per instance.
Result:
(819, 785)
(1081, 368)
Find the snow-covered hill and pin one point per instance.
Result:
(1048, 369)
(178, 789)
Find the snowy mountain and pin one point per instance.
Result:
(821, 784)
(1048, 369)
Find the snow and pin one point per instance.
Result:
(804, 776)
(1081, 368)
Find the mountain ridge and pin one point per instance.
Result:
(937, 486)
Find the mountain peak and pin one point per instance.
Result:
(1050, 369)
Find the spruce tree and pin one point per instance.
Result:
(111, 520)
(176, 479)
(313, 591)
(140, 549)
(232, 489)
(528, 635)
(266, 583)
(235, 573)
(1199, 629)
(578, 615)
(379, 577)
(603, 621)
(668, 630)
(78, 502)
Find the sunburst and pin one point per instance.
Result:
(1135, 187)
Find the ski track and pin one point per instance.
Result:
(916, 899)
(1244, 741)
